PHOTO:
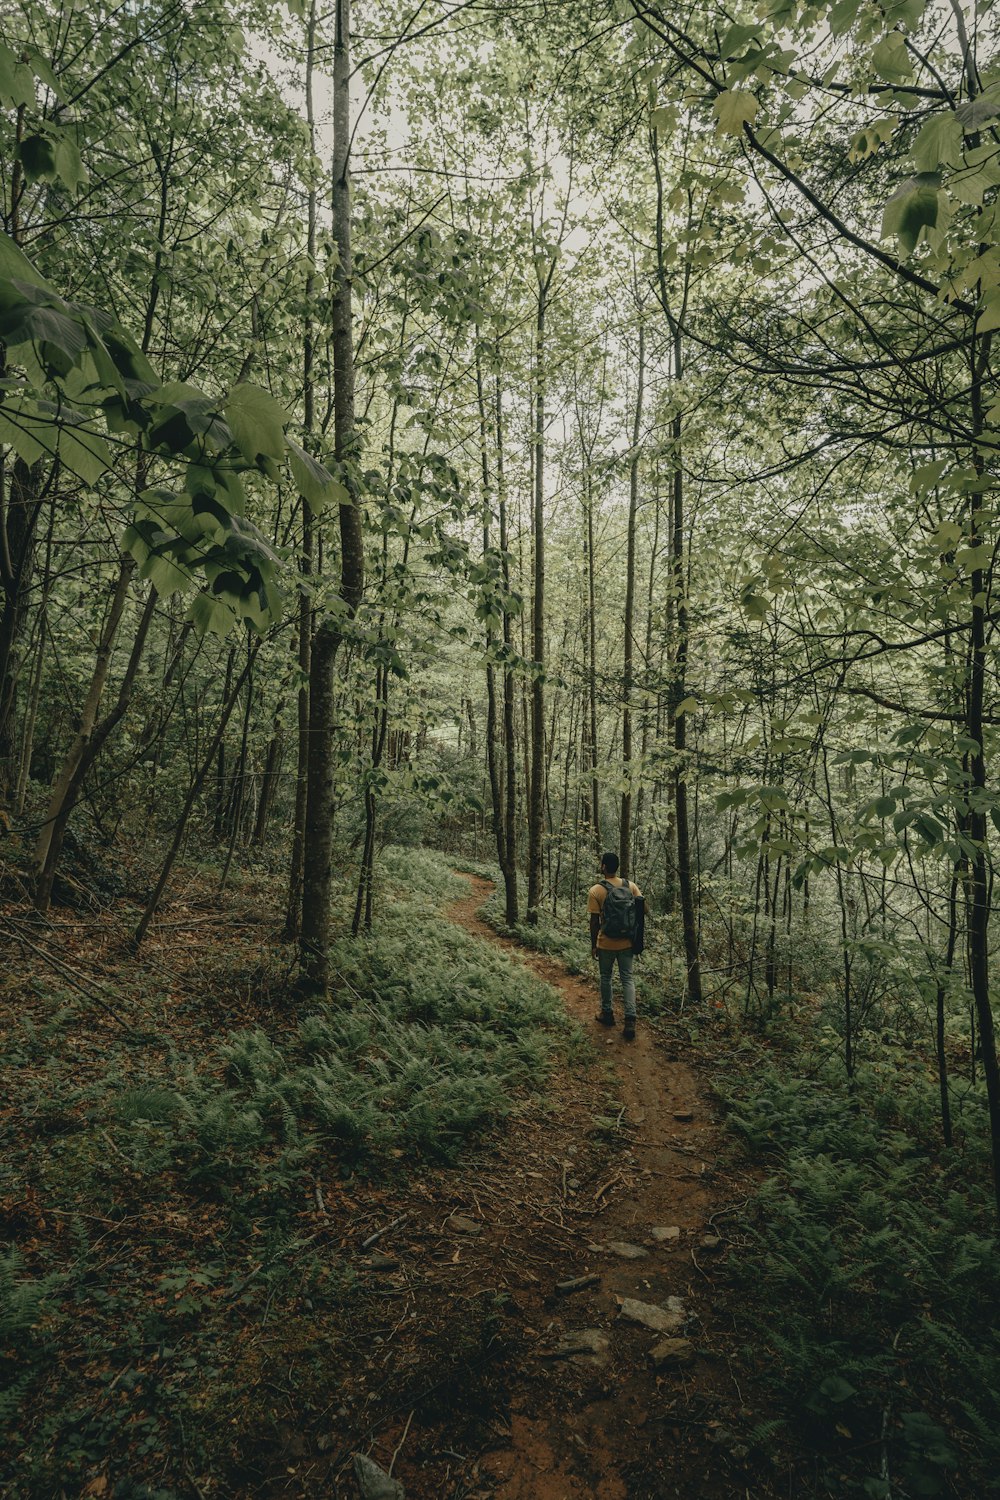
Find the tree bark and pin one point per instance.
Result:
(678, 571)
(60, 791)
(536, 807)
(293, 910)
(595, 786)
(980, 874)
(197, 783)
(318, 863)
(82, 756)
(21, 498)
(508, 863)
(628, 669)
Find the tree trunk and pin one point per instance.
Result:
(979, 898)
(642, 840)
(268, 784)
(318, 865)
(625, 823)
(293, 910)
(508, 863)
(31, 717)
(201, 775)
(81, 758)
(595, 789)
(21, 500)
(685, 880)
(241, 780)
(60, 791)
(536, 808)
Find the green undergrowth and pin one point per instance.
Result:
(868, 1289)
(169, 1265)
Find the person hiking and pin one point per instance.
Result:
(616, 910)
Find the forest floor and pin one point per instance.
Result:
(413, 1314)
(246, 1240)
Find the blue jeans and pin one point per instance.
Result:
(606, 963)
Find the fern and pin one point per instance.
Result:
(21, 1297)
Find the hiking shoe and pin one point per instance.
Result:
(629, 1032)
(606, 1017)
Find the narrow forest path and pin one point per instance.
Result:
(608, 1422)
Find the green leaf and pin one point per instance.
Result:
(866, 142)
(926, 476)
(15, 265)
(736, 39)
(755, 606)
(908, 13)
(843, 16)
(68, 164)
(939, 143)
(37, 155)
(42, 430)
(929, 828)
(989, 316)
(733, 109)
(42, 70)
(17, 85)
(947, 536)
(976, 113)
(186, 420)
(971, 183)
(211, 615)
(167, 576)
(257, 423)
(164, 559)
(971, 558)
(912, 208)
(891, 60)
(836, 1388)
(32, 315)
(314, 483)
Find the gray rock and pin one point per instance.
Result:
(666, 1232)
(622, 1249)
(666, 1319)
(672, 1352)
(710, 1241)
(374, 1483)
(464, 1225)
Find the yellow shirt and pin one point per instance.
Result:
(595, 906)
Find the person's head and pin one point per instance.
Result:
(609, 864)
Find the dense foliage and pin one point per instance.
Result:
(544, 427)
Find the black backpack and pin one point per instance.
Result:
(618, 919)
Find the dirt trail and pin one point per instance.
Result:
(607, 1425)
